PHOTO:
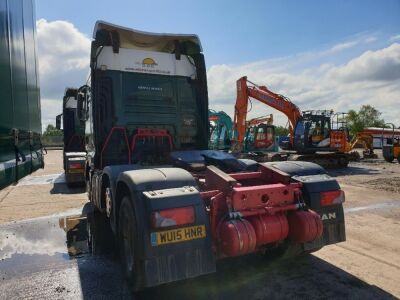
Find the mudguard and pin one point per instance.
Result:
(163, 188)
(199, 159)
(112, 172)
(316, 180)
(297, 168)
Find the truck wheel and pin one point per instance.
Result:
(276, 157)
(343, 162)
(100, 236)
(398, 158)
(128, 245)
(89, 189)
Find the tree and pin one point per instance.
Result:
(367, 116)
(281, 131)
(52, 131)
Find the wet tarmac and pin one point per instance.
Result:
(49, 257)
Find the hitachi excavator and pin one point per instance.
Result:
(317, 136)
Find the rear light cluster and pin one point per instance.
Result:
(76, 166)
(332, 198)
(172, 217)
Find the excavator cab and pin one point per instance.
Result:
(312, 132)
(260, 137)
(220, 130)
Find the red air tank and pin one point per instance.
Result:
(270, 228)
(237, 237)
(304, 226)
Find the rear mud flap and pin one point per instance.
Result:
(178, 266)
(172, 258)
(333, 233)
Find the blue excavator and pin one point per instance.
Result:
(220, 130)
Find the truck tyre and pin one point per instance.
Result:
(128, 245)
(100, 236)
(89, 188)
(343, 162)
(398, 158)
(276, 157)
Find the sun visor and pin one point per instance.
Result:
(135, 39)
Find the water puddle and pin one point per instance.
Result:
(35, 243)
(50, 257)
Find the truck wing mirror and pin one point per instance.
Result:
(80, 109)
(58, 122)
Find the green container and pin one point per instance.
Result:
(20, 121)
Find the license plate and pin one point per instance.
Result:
(178, 235)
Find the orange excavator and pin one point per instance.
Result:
(260, 134)
(318, 136)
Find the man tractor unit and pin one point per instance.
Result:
(20, 121)
(173, 206)
(74, 155)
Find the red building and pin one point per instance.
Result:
(378, 132)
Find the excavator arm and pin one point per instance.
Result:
(246, 89)
(261, 120)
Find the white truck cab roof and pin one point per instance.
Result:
(135, 39)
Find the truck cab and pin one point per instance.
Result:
(144, 86)
(74, 154)
(170, 203)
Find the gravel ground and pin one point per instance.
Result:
(35, 264)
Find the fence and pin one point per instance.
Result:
(53, 141)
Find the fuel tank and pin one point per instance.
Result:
(237, 237)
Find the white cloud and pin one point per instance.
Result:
(394, 38)
(357, 41)
(370, 39)
(343, 46)
(381, 65)
(371, 78)
(63, 53)
(50, 109)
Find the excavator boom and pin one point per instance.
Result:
(246, 89)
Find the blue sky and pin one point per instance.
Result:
(316, 52)
(238, 31)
